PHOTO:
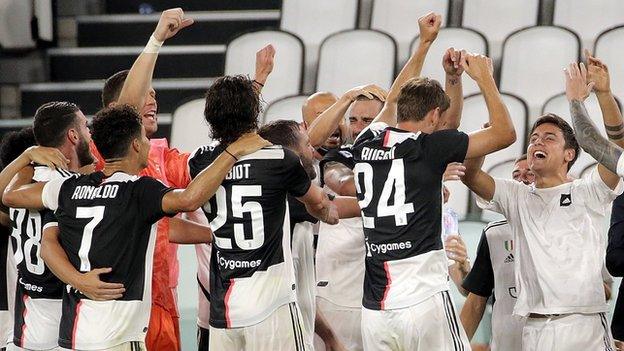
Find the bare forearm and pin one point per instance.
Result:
(11, 170)
(453, 87)
(328, 121)
(183, 231)
(590, 139)
(322, 328)
(472, 313)
(412, 69)
(347, 207)
(139, 80)
(56, 259)
(499, 118)
(612, 117)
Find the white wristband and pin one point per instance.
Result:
(153, 45)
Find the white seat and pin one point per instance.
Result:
(475, 114)
(500, 170)
(287, 75)
(533, 62)
(588, 18)
(189, 129)
(285, 108)
(356, 57)
(15, 30)
(460, 196)
(609, 49)
(459, 38)
(313, 21)
(498, 19)
(559, 105)
(398, 18)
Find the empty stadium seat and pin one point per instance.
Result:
(500, 170)
(460, 196)
(15, 30)
(533, 62)
(609, 49)
(313, 21)
(399, 19)
(189, 130)
(588, 18)
(285, 108)
(287, 75)
(351, 58)
(459, 38)
(497, 19)
(475, 114)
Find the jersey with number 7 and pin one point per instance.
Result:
(398, 177)
(251, 269)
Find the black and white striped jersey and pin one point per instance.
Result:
(107, 222)
(251, 269)
(398, 177)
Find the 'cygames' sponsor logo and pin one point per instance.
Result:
(387, 247)
(233, 264)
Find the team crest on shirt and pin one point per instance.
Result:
(566, 200)
(509, 245)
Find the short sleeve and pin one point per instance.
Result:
(505, 198)
(480, 280)
(150, 194)
(50, 193)
(370, 132)
(445, 146)
(296, 179)
(198, 160)
(597, 194)
(48, 219)
(176, 168)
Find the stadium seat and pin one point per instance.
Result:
(608, 48)
(285, 108)
(588, 18)
(533, 62)
(356, 57)
(500, 170)
(313, 21)
(475, 114)
(458, 38)
(287, 75)
(399, 18)
(15, 29)
(497, 19)
(189, 130)
(460, 195)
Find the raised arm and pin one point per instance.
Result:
(429, 25)
(477, 180)
(204, 186)
(139, 78)
(265, 58)
(500, 133)
(587, 134)
(451, 62)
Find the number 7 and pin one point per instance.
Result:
(96, 214)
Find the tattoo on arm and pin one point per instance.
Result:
(453, 81)
(615, 132)
(590, 139)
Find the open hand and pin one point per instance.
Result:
(47, 156)
(454, 171)
(455, 248)
(170, 23)
(429, 25)
(370, 91)
(577, 86)
(247, 144)
(265, 59)
(92, 287)
(598, 73)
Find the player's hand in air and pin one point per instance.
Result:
(454, 171)
(455, 248)
(265, 59)
(370, 91)
(478, 67)
(451, 62)
(92, 287)
(429, 25)
(247, 144)
(47, 156)
(598, 73)
(577, 86)
(170, 23)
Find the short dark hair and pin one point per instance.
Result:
(52, 120)
(566, 130)
(282, 132)
(232, 108)
(520, 158)
(112, 87)
(419, 96)
(114, 129)
(14, 143)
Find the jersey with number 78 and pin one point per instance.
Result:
(251, 269)
(398, 177)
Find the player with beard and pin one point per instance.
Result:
(13, 144)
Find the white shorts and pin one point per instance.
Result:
(587, 332)
(280, 331)
(429, 325)
(346, 322)
(303, 261)
(38, 325)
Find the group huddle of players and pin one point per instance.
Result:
(95, 224)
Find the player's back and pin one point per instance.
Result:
(399, 184)
(107, 222)
(251, 265)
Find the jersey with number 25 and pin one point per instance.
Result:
(398, 178)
